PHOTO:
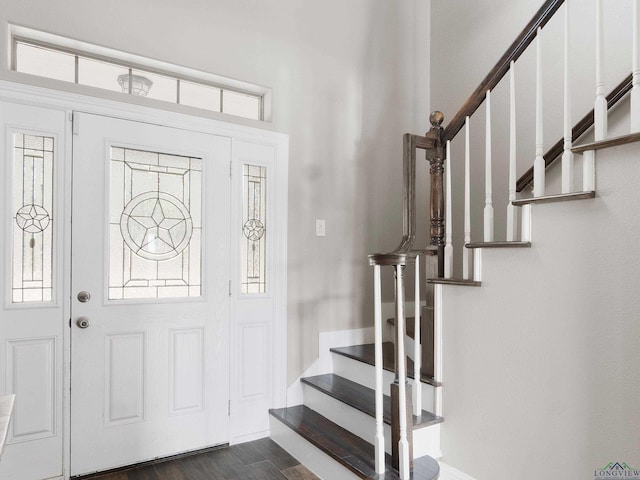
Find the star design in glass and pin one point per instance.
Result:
(253, 229)
(156, 225)
(32, 218)
(162, 232)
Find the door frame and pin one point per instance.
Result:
(278, 142)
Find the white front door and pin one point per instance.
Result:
(150, 293)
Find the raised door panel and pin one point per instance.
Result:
(124, 400)
(187, 366)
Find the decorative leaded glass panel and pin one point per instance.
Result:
(155, 225)
(32, 188)
(254, 228)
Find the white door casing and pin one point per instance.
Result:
(150, 376)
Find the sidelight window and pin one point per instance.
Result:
(32, 207)
(254, 229)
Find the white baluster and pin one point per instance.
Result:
(567, 154)
(437, 347)
(488, 203)
(448, 235)
(467, 203)
(635, 91)
(538, 164)
(403, 443)
(526, 223)
(379, 438)
(417, 360)
(511, 210)
(589, 171)
(477, 264)
(600, 106)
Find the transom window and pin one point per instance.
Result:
(111, 73)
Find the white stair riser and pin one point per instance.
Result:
(364, 374)
(410, 347)
(306, 453)
(426, 440)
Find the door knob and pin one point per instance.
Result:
(84, 297)
(83, 322)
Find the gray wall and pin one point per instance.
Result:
(348, 79)
(542, 363)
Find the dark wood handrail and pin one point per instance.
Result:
(501, 68)
(578, 130)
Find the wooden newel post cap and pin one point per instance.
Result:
(434, 137)
(436, 118)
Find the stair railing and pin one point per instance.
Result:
(403, 405)
(564, 149)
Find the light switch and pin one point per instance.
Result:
(320, 228)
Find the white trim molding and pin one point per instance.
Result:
(447, 472)
(324, 362)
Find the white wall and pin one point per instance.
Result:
(467, 41)
(348, 79)
(541, 363)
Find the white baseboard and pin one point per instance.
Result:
(249, 438)
(447, 472)
(344, 338)
(324, 362)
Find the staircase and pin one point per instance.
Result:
(378, 413)
(333, 432)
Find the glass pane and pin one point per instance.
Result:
(241, 104)
(201, 96)
(162, 88)
(100, 74)
(254, 227)
(32, 206)
(45, 63)
(155, 225)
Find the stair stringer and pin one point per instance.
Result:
(544, 345)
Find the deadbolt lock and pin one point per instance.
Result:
(83, 322)
(84, 297)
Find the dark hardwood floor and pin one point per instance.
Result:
(258, 460)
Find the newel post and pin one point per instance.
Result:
(436, 156)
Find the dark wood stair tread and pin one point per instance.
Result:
(366, 354)
(607, 143)
(348, 449)
(562, 197)
(362, 398)
(498, 245)
(454, 281)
